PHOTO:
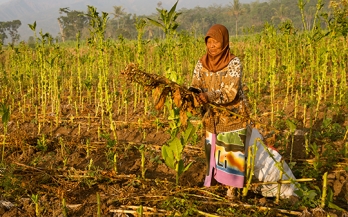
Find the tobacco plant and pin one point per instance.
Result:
(5, 117)
(173, 150)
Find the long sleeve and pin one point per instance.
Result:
(197, 77)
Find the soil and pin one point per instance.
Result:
(72, 170)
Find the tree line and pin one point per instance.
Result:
(239, 18)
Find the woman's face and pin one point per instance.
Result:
(214, 46)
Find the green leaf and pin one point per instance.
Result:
(172, 11)
(180, 167)
(156, 23)
(171, 153)
(334, 206)
(291, 125)
(5, 113)
(187, 167)
(190, 130)
(168, 156)
(312, 194)
(177, 148)
(33, 26)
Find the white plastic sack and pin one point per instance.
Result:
(266, 171)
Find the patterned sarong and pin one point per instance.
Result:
(225, 158)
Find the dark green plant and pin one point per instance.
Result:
(292, 127)
(331, 130)
(64, 208)
(5, 118)
(172, 152)
(182, 206)
(42, 143)
(167, 20)
(329, 201)
(111, 154)
(97, 25)
(140, 26)
(35, 199)
(142, 149)
(309, 197)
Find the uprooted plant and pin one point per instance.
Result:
(183, 99)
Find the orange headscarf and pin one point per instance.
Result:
(218, 61)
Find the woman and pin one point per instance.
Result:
(217, 76)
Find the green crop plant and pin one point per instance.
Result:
(142, 150)
(167, 20)
(140, 26)
(97, 26)
(5, 117)
(309, 197)
(250, 167)
(42, 143)
(317, 164)
(329, 200)
(111, 154)
(292, 127)
(64, 208)
(90, 165)
(324, 191)
(173, 150)
(35, 199)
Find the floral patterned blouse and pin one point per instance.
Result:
(224, 89)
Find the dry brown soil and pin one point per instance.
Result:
(76, 167)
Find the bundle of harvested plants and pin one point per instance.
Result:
(161, 88)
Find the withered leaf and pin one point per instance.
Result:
(160, 103)
(177, 97)
(195, 101)
(183, 118)
(156, 94)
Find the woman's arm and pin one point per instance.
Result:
(196, 82)
(197, 85)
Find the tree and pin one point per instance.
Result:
(280, 13)
(72, 23)
(118, 13)
(236, 11)
(3, 35)
(61, 28)
(10, 27)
